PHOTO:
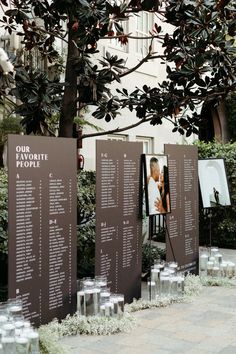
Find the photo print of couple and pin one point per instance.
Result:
(156, 184)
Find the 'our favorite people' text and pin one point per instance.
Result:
(24, 158)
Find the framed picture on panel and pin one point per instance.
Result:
(213, 183)
(156, 184)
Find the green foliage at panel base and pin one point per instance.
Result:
(221, 219)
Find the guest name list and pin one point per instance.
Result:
(118, 226)
(183, 220)
(42, 225)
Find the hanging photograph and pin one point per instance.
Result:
(213, 183)
(156, 184)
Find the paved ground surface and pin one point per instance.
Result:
(207, 325)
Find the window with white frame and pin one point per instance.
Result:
(144, 24)
(116, 43)
(117, 137)
(147, 144)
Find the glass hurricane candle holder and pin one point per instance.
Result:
(215, 271)
(173, 266)
(33, 338)
(22, 345)
(218, 258)
(180, 288)
(174, 285)
(121, 303)
(15, 307)
(109, 309)
(90, 298)
(203, 262)
(165, 283)
(151, 288)
(8, 345)
(8, 329)
(223, 269)
(101, 281)
(19, 325)
(214, 251)
(230, 269)
(81, 302)
(105, 295)
(210, 265)
(155, 277)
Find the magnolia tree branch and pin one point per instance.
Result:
(145, 59)
(116, 130)
(129, 35)
(146, 119)
(54, 34)
(119, 130)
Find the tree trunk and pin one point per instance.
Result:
(68, 110)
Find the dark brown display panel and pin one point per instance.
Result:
(183, 221)
(42, 225)
(118, 225)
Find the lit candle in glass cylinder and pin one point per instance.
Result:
(90, 301)
(155, 274)
(104, 298)
(218, 258)
(8, 329)
(230, 269)
(203, 262)
(97, 292)
(3, 319)
(118, 302)
(180, 287)
(19, 325)
(165, 283)
(109, 309)
(174, 285)
(121, 304)
(214, 251)
(102, 310)
(33, 337)
(173, 266)
(212, 259)
(152, 289)
(15, 307)
(22, 345)
(210, 266)
(8, 345)
(101, 281)
(155, 277)
(81, 302)
(215, 271)
(223, 269)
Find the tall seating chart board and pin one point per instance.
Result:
(42, 225)
(118, 225)
(183, 221)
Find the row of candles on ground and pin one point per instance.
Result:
(165, 280)
(94, 298)
(17, 336)
(211, 263)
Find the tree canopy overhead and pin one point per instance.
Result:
(199, 54)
